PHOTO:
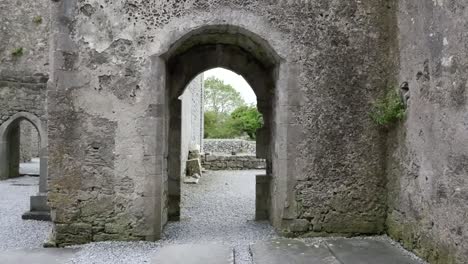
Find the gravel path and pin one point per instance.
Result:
(14, 201)
(220, 209)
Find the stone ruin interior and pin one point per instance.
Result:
(106, 96)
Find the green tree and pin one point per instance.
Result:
(221, 98)
(246, 119)
(219, 126)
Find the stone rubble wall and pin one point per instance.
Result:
(24, 57)
(105, 107)
(232, 162)
(26, 144)
(227, 146)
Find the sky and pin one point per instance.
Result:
(236, 80)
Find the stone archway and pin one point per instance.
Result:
(39, 208)
(247, 54)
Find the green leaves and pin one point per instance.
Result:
(389, 109)
(243, 120)
(18, 52)
(226, 114)
(221, 98)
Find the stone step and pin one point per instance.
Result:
(194, 254)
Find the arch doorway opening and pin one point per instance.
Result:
(219, 165)
(249, 56)
(22, 139)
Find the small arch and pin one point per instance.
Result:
(5, 130)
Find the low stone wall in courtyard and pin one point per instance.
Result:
(232, 162)
(227, 146)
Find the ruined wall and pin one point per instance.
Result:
(26, 146)
(24, 55)
(192, 113)
(232, 162)
(227, 146)
(106, 170)
(428, 153)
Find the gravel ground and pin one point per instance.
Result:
(14, 201)
(30, 168)
(220, 209)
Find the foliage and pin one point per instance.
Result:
(218, 126)
(247, 119)
(243, 120)
(37, 20)
(221, 98)
(17, 52)
(389, 109)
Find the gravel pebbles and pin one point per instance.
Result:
(220, 209)
(14, 201)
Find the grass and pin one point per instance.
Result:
(37, 20)
(388, 110)
(18, 52)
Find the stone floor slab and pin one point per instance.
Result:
(282, 251)
(37, 256)
(194, 254)
(367, 251)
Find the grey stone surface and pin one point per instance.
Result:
(232, 162)
(14, 201)
(194, 254)
(282, 251)
(368, 251)
(193, 167)
(119, 68)
(365, 250)
(37, 256)
(227, 146)
(427, 159)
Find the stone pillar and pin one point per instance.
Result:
(262, 196)
(39, 209)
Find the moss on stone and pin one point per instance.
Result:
(424, 245)
(389, 109)
(18, 52)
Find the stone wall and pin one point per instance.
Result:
(26, 141)
(227, 146)
(428, 153)
(24, 55)
(192, 118)
(232, 162)
(108, 108)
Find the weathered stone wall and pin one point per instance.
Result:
(232, 162)
(428, 153)
(29, 141)
(227, 146)
(24, 54)
(26, 146)
(192, 113)
(107, 171)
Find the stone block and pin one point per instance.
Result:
(193, 167)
